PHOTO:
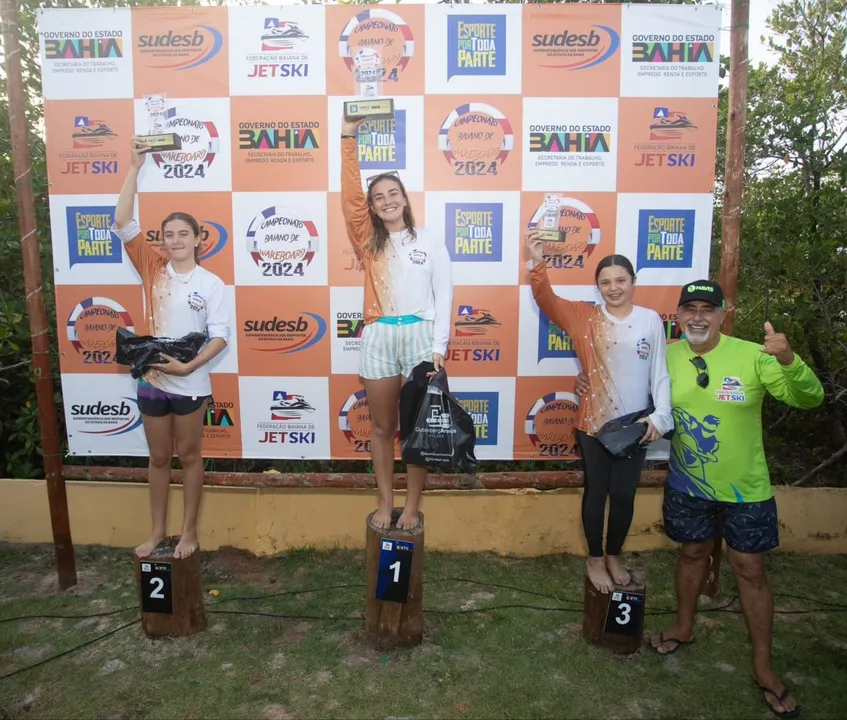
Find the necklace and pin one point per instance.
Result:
(406, 237)
(184, 282)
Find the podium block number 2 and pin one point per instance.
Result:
(624, 613)
(395, 567)
(156, 588)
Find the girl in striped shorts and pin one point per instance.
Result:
(408, 300)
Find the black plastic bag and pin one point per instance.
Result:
(622, 435)
(141, 352)
(440, 432)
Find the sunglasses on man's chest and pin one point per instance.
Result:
(702, 370)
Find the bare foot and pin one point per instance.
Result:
(148, 546)
(670, 640)
(187, 544)
(617, 571)
(776, 694)
(409, 520)
(599, 576)
(382, 518)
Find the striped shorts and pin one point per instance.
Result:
(390, 349)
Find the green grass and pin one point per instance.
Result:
(506, 663)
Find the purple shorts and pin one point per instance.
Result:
(158, 403)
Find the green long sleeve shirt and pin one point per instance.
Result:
(716, 450)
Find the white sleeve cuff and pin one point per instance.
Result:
(218, 332)
(127, 232)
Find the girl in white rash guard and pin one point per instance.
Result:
(180, 297)
(621, 348)
(408, 302)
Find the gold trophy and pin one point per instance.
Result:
(367, 78)
(157, 139)
(548, 227)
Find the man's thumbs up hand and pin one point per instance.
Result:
(776, 344)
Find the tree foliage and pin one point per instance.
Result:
(794, 220)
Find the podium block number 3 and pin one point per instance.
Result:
(624, 613)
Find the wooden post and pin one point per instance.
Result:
(170, 592)
(42, 367)
(736, 132)
(392, 623)
(736, 136)
(615, 621)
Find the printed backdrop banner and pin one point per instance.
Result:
(611, 108)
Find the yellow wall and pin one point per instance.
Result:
(267, 521)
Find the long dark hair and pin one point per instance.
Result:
(614, 261)
(192, 223)
(381, 233)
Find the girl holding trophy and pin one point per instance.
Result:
(621, 348)
(408, 302)
(180, 297)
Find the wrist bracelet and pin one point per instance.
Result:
(343, 136)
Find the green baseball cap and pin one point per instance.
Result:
(704, 290)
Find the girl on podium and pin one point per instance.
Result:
(408, 302)
(621, 348)
(180, 297)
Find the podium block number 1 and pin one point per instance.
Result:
(395, 567)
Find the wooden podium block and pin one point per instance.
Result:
(170, 592)
(615, 621)
(394, 606)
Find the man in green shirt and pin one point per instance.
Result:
(718, 468)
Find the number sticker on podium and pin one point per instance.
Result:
(395, 566)
(156, 589)
(624, 612)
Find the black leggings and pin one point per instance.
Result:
(607, 476)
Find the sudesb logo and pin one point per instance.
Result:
(576, 51)
(118, 418)
(175, 51)
(285, 336)
(213, 239)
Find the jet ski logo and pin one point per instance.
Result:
(669, 124)
(286, 406)
(90, 133)
(474, 321)
(732, 390)
(281, 35)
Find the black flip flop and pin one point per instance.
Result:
(779, 698)
(679, 644)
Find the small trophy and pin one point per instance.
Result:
(548, 227)
(157, 139)
(367, 78)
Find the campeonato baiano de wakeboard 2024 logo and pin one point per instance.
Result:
(476, 139)
(91, 328)
(200, 146)
(550, 424)
(281, 243)
(381, 30)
